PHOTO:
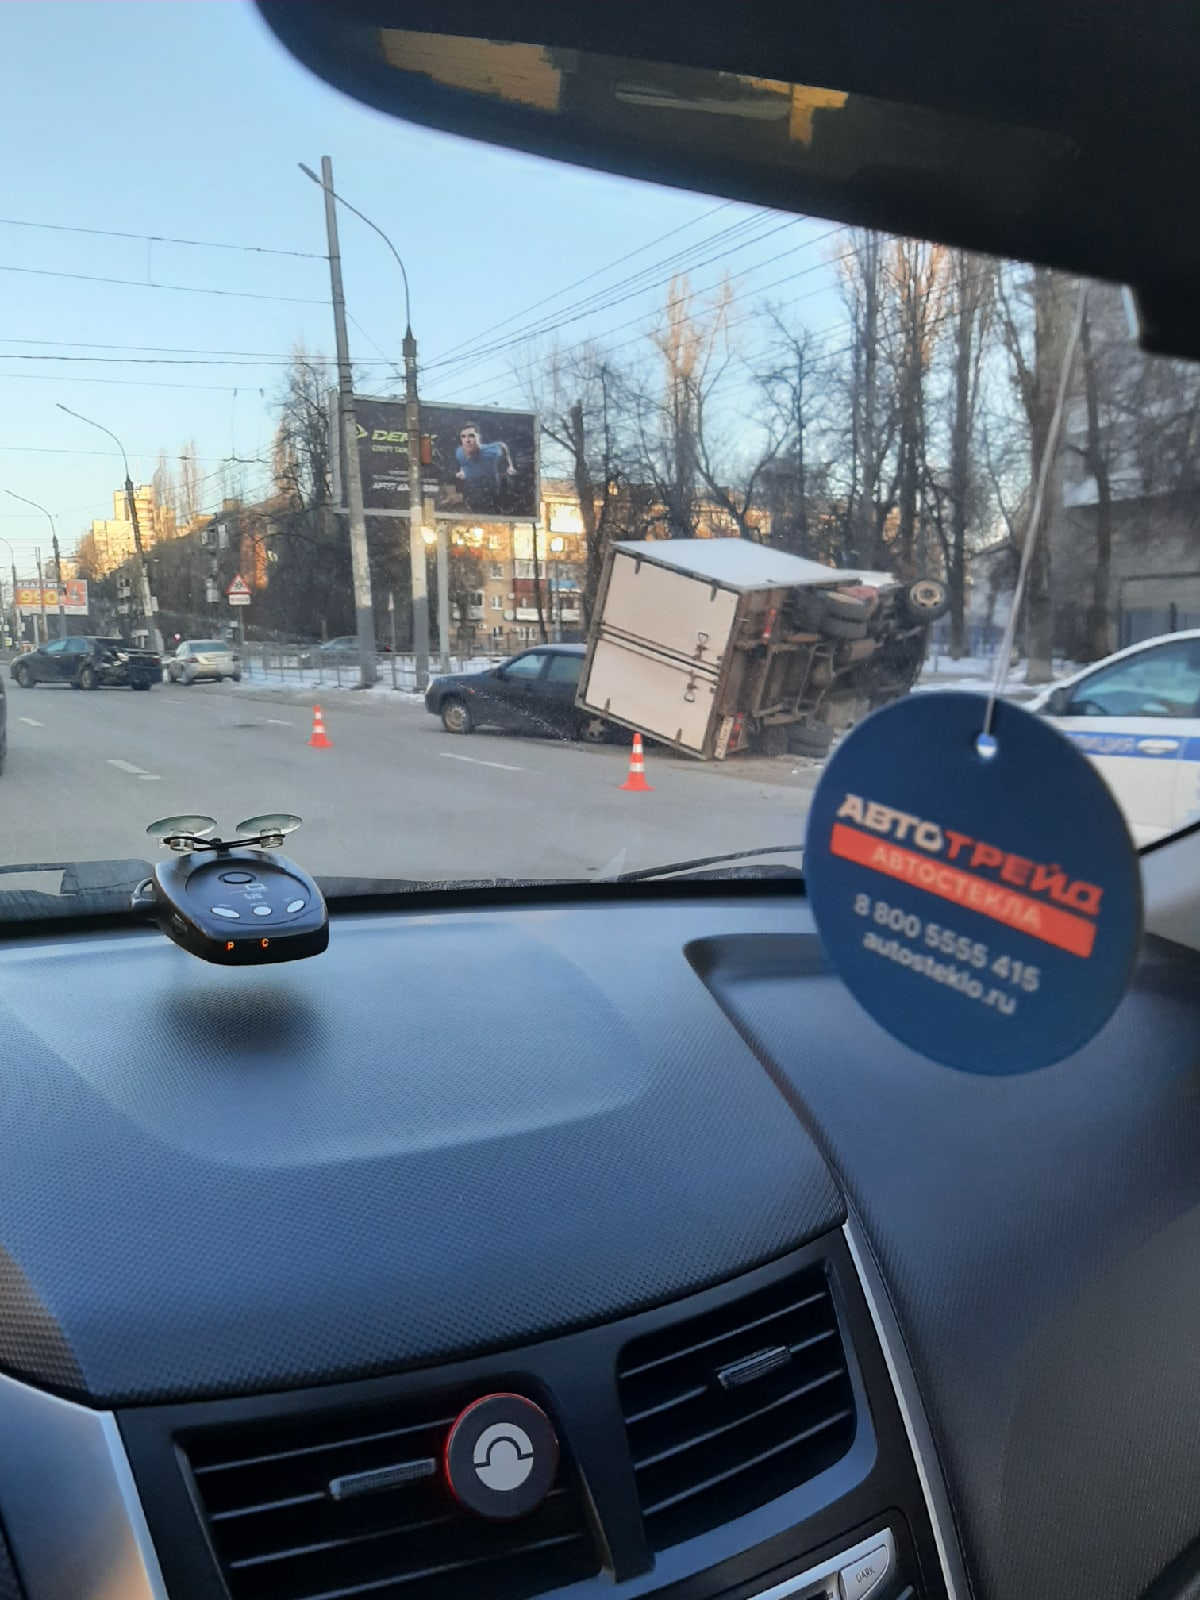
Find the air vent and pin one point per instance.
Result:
(733, 1408)
(325, 1507)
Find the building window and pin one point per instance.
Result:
(497, 602)
(496, 570)
(477, 598)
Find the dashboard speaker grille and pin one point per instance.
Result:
(331, 1506)
(733, 1408)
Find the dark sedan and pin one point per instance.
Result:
(530, 693)
(88, 663)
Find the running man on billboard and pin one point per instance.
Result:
(484, 470)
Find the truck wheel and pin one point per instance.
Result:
(843, 628)
(925, 601)
(456, 716)
(773, 739)
(810, 738)
(847, 607)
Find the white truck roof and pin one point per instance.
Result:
(736, 563)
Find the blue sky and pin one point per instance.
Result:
(187, 119)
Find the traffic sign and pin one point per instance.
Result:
(238, 592)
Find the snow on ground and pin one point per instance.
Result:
(977, 673)
(396, 680)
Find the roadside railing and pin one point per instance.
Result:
(301, 665)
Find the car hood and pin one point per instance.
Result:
(447, 678)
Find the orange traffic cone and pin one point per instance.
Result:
(636, 781)
(319, 740)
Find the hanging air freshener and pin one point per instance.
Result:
(982, 903)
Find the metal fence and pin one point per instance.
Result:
(300, 665)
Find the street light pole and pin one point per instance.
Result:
(360, 565)
(412, 423)
(13, 568)
(37, 555)
(149, 607)
(62, 615)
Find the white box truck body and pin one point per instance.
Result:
(716, 645)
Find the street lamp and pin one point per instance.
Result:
(149, 607)
(62, 615)
(13, 568)
(416, 560)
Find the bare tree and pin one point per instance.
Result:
(1096, 457)
(915, 283)
(970, 290)
(872, 415)
(1034, 310)
(188, 493)
(585, 409)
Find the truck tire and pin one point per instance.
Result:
(925, 601)
(843, 628)
(810, 738)
(773, 739)
(846, 607)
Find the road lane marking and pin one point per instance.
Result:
(32, 721)
(449, 755)
(281, 722)
(134, 772)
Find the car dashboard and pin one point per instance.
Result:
(808, 1314)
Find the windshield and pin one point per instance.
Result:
(588, 576)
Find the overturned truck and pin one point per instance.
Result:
(718, 645)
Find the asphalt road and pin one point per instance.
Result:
(395, 797)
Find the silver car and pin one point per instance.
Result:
(204, 658)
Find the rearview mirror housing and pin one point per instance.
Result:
(961, 124)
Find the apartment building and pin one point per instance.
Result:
(526, 577)
(112, 537)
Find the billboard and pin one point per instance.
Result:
(477, 463)
(31, 599)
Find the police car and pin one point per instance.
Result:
(1137, 716)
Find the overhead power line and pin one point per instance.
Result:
(640, 319)
(160, 238)
(179, 288)
(588, 277)
(185, 361)
(620, 293)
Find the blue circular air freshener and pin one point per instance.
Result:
(983, 903)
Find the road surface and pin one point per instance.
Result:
(395, 797)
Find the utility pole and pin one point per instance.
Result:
(148, 604)
(41, 596)
(416, 512)
(443, 583)
(62, 615)
(364, 612)
(412, 423)
(147, 598)
(16, 615)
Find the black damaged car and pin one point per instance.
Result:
(88, 663)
